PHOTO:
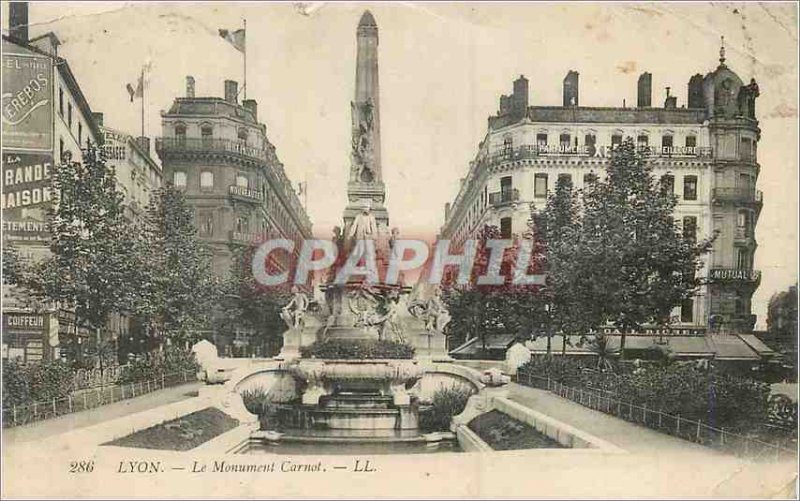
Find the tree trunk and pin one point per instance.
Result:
(549, 340)
(563, 345)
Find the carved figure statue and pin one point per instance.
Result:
(433, 312)
(364, 228)
(362, 145)
(294, 312)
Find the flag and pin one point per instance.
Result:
(139, 91)
(235, 38)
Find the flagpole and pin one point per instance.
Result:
(245, 57)
(142, 80)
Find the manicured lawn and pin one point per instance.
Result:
(180, 434)
(502, 433)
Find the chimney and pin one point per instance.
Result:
(18, 21)
(231, 91)
(505, 104)
(98, 118)
(671, 102)
(189, 86)
(645, 91)
(251, 106)
(519, 100)
(696, 92)
(144, 143)
(571, 88)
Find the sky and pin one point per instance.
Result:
(442, 69)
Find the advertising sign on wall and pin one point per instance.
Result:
(27, 107)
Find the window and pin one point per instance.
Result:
(687, 311)
(589, 178)
(616, 140)
(505, 227)
(206, 180)
(668, 184)
(206, 133)
(179, 179)
(180, 133)
(206, 224)
(666, 144)
(540, 185)
(747, 152)
(508, 145)
(242, 181)
(642, 141)
(69, 116)
(690, 228)
(61, 149)
(80, 133)
(541, 140)
(243, 135)
(564, 142)
(690, 187)
(590, 140)
(61, 102)
(565, 178)
(738, 304)
(691, 141)
(743, 226)
(505, 188)
(744, 260)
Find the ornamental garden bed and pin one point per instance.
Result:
(180, 434)
(503, 433)
(358, 349)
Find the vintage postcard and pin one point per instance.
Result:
(399, 250)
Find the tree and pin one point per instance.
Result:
(782, 314)
(12, 264)
(180, 282)
(247, 304)
(555, 230)
(625, 262)
(483, 311)
(96, 257)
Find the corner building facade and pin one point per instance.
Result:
(705, 152)
(218, 153)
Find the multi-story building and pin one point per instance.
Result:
(219, 154)
(45, 115)
(216, 150)
(138, 174)
(704, 151)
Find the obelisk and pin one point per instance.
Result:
(365, 186)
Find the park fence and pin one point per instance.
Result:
(750, 447)
(82, 400)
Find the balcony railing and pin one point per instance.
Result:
(246, 194)
(737, 195)
(735, 275)
(532, 151)
(504, 197)
(211, 145)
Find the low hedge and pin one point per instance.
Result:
(155, 364)
(357, 349)
(39, 382)
(682, 388)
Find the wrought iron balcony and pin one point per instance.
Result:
(207, 145)
(604, 151)
(735, 275)
(504, 197)
(748, 196)
(245, 194)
